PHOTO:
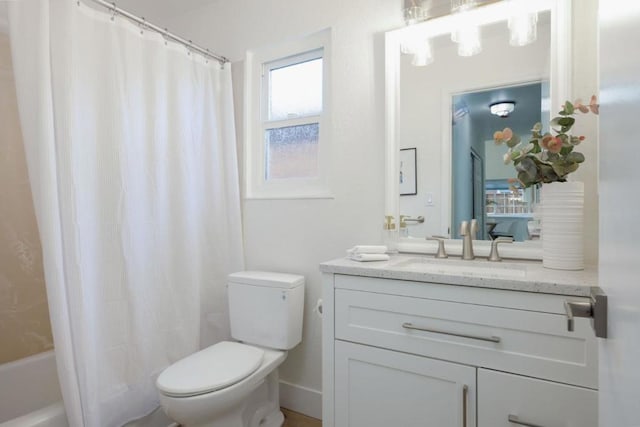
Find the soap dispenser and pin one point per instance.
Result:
(390, 234)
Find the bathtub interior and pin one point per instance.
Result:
(28, 385)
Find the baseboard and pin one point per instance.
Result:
(301, 399)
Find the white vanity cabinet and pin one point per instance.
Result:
(381, 388)
(506, 400)
(409, 353)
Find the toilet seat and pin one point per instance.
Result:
(214, 368)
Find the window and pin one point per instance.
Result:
(292, 98)
(501, 199)
(286, 126)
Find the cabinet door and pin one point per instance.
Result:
(383, 388)
(533, 402)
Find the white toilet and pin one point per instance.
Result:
(235, 384)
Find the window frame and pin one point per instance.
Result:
(258, 63)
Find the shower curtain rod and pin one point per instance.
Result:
(166, 33)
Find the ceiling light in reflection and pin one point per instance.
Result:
(503, 108)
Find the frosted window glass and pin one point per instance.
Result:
(296, 90)
(292, 152)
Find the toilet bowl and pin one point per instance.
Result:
(235, 384)
(196, 401)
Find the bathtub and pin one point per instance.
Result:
(30, 394)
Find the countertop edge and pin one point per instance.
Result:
(385, 270)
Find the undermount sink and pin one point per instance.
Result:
(459, 267)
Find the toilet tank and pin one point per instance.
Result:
(266, 308)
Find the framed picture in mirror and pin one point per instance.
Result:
(408, 173)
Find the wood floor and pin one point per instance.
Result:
(294, 419)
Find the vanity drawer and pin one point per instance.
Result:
(506, 400)
(524, 342)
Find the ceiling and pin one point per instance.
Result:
(528, 99)
(160, 12)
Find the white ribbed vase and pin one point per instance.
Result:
(563, 225)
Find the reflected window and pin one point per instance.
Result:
(501, 199)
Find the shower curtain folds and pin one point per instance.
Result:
(130, 147)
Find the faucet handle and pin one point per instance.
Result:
(464, 228)
(494, 255)
(473, 228)
(441, 251)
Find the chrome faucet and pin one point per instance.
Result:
(468, 232)
(494, 256)
(442, 253)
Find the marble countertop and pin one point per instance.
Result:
(525, 276)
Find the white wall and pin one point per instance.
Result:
(585, 84)
(494, 164)
(296, 235)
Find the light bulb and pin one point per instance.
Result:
(523, 29)
(469, 41)
(423, 55)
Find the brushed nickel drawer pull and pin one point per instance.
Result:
(408, 325)
(465, 394)
(515, 420)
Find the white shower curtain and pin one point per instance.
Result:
(131, 153)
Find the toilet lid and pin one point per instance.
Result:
(211, 369)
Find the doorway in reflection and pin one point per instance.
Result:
(480, 187)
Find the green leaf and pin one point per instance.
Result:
(559, 169)
(535, 143)
(563, 123)
(515, 155)
(575, 157)
(548, 174)
(569, 108)
(571, 167)
(527, 166)
(553, 157)
(525, 180)
(515, 140)
(566, 121)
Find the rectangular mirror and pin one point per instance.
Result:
(443, 110)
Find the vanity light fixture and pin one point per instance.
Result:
(423, 54)
(414, 12)
(467, 33)
(523, 29)
(469, 41)
(466, 19)
(419, 46)
(502, 109)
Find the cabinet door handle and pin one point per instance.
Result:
(515, 420)
(465, 396)
(408, 325)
